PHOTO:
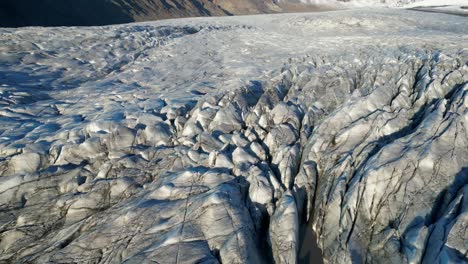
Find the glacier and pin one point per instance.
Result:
(232, 140)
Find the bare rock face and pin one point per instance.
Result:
(369, 147)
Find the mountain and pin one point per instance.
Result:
(14, 13)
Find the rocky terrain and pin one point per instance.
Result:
(17, 13)
(219, 140)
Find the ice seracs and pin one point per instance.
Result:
(218, 140)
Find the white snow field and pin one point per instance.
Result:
(209, 140)
(383, 3)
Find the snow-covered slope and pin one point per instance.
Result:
(381, 3)
(437, 3)
(210, 140)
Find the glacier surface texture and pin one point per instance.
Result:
(219, 140)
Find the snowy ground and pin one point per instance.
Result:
(433, 3)
(214, 139)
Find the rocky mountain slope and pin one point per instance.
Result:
(17, 13)
(14, 13)
(219, 140)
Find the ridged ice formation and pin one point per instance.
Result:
(370, 145)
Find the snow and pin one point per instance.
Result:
(429, 3)
(386, 3)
